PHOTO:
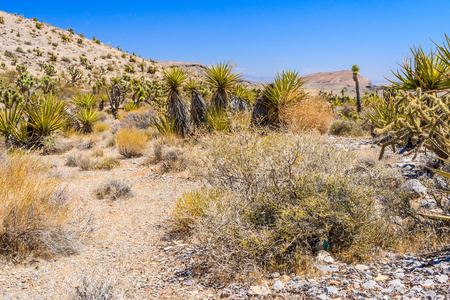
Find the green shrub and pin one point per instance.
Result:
(87, 117)
(274, 198)
(39, 25)
(349, 127)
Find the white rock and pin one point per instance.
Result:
(278, 285)
(442, 279)
(257, 290)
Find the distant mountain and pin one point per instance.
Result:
(336, 81)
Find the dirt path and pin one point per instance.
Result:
(124, 247)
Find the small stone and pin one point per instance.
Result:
(381, 278)
(322, 297)
(331, 289)
(442, 279)
(326, 269)
(278, 285)
(257, 290)
(362, 267)
(428, 283)
(395, 283)
(430, 294)
(324, 257)
(399, 275)
(415, 188)
(285, 278)
(369, 285)
(275, 275)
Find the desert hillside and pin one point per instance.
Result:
(34, 44)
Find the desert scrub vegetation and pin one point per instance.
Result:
(130, 142)
(312, 113)
(271, 199)
(113, 189)
(34, 210)
(350, 127)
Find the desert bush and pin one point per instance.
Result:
(139, 119)
(85, 162)
(107, 164)
(113, 189)
(130, 143)
(98, 152)
(313, 113)
(55, 145)
(96, 286)
(346, 127)
(2, 20)
(169, 158)
(275, 198)
(34, 208)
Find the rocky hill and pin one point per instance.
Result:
(336, 81)
(35, 44)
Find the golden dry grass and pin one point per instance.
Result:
(34, 207)
(130, 142)
(313, 113)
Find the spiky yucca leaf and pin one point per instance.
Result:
(165, 125)
(217, 120)
(425, 71)
(45, 115)
(220, 77)
(284, 91)
(87, 117)
(198, 105)
(10, 116)
(174, 78)
(85, 101)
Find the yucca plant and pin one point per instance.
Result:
(10, 117)
(217, 120)
(426, 71)
(165, 125)
(277, 97)
(87, 117)
(221, 78)
(45, 114)
(85, 100)
(198, 105)
(174, 79)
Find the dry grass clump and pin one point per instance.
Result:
(313, 113)
(346, 127)
(275, 197)
(99, 128)
(130, 143)
(34, 209)
(108, 164)
(113, 189)
(169, 158)
(97, 286)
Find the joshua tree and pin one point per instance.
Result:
(198, 105)
(116, 94)
(221, 78)
(176, 108)
(355, 70)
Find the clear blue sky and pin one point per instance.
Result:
(261, 37)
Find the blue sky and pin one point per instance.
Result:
(261, 37)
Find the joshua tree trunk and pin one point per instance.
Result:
(219, 100)
(198, 108)
(178, 112)
(355, 70)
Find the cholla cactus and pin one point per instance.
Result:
(424, 120)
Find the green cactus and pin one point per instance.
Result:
(421, 118)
